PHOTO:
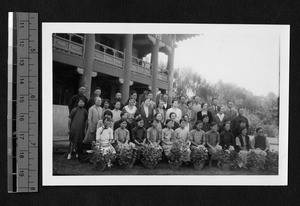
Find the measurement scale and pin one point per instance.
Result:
(23, 102)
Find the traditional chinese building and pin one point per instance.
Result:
(113, 62)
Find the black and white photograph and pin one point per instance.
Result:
(165, 104)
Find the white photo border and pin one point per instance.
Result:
(48, 179)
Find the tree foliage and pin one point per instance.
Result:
(260, 110)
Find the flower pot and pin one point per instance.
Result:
(199, 166)
(174, 166)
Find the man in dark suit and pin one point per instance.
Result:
(231, 112)
(220, 118)
(146, 112)
(239, 122)
(214, 108)
(74, 99)
(166, 105)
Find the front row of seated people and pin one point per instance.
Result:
(163, 139)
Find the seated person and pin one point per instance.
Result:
(181, 135)
(260, 140)
(154, 135)
(212, 142)
(197, 135)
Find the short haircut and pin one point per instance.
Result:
(240, 108)
(198, 122)
(122, 120)
(122, 113)
(97, 88)
(213, 124)
(106, 100)
(203, 104)
(106, 118)
(214, 98)
(156, 115)
(108, 112)
(171, 114)
(139, 119)
(174, 100)
(188, 102)
(168, 120)
(182, 120)
(229, 101)
(132, 92)
(204, 116)
(117, 102)
(154, 120)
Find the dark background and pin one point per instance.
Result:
(151, 11)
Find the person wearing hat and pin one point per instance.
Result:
(74, 99)
(260, 140)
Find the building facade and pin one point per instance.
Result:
(113, 62)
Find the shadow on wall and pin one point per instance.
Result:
(60, 120)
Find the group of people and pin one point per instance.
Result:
(144, 121)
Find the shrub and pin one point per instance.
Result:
(199, 155)
(126, 155)
(256, 159)
(100, 157)
(176, 154)
(151, 155)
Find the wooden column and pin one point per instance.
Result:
(128, 39)
(170, 70)
(154, 61)
(86, 78)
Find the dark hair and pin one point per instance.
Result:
(132, 92)
(197, 122)
(202, 104)
(168, 120)
(171, 114)
(240, 108)
(182, 120)
(81, 98)
(122, 113)
(117, 102)
(122, 120)
(229, 101)
(188, 102)
(139, 119)
(214, 99)
(154, 120)
(204, 116)
(257, 129)
(108, 112)
(213, 124)
(136, 114)
(106, 118)
(174, 100)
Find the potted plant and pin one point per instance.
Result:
(272, 161)
(101, 158)
(198, 156)
(256, 159)
(151, 155)
(126, 156)
(231, 159)
(176, 156)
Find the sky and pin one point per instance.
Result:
(245, 57)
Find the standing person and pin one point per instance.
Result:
(139, 136)
(165, 98)
(167, 138)
(116, 111)
(105, 105)
(182, 106)
(212, 142)
(175, 109)
(190, 112)
(74, 99)
(118, 98)
(197, 135)
(146, 112)
(91, 102)
(220, 118)
(109, 114)
(260, 140)
(130, 109)
(152, 103)
(197, 105)
(94, 115)
(214, 108)
(243, 146)
(230, 112)
(226, 137)
(160, 110)
(123, 115)
(203, 112)
(77, 124)
(238, 122)
(182, 136)
(188, 125)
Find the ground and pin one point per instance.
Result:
(62, 166)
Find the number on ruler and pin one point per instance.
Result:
(22, 81)
(21, 155)
(21, 173)
(22, 99)
(32, 96)
(21, 118)
(22, 62)
(21, 136)
(22, 43)
(22, 25)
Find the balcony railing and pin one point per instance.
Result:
(141, 67)
(70, 43)
(109, 55)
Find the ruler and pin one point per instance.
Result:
(23, 103)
